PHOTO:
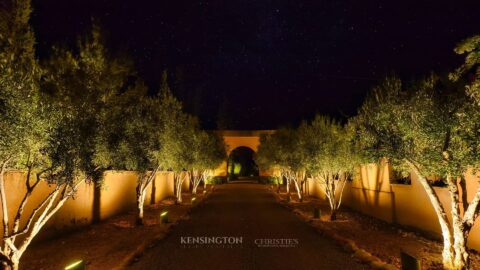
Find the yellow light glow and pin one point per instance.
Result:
(73, 265)
(164, 213)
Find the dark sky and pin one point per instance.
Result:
(271, 62)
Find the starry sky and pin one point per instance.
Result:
(265, 63)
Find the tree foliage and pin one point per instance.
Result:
(330, 157)
(208, 153)
(470, 47)
(282, 151)
(81, 85)
(430, 127)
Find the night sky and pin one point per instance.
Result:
(271, 62)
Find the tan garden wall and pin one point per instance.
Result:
(116, 196)
(371, 193)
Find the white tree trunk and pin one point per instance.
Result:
(180, 179)
(3, 198)
(329, 185)
(143, 181)
(448, 250)
(297, 188)
(11, 252)
(197, 177)
(140, 203)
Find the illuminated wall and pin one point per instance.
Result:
(237, 138)
(372, 193)
(116, 196)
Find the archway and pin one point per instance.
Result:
(241, 163)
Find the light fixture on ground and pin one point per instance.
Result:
(78, 265)
(164, 217)
(193, 200)
(409, 262)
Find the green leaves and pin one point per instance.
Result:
(23, 125)
(328, 147)
(470, 47)
(430, 123)
(280, 150)
(82, 87)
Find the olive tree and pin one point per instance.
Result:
(130, 138)
(282, 150)
(82, 83)
(267, 158)
(471, 48)
(24, 131)
(330, 157)
(178, 136)
(44, 123)
(208, 151)
(432, 128)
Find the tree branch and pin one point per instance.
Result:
(21, 207)
(472, 211)
(434, 200)
(341, 191)
(4, 198)
(34, 212)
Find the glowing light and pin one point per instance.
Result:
(237, 168)
(164, 217)
(75, 265)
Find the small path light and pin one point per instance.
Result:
(78, 265)
(193, 200)
(316, 213)
(409, 262)
(164, 217)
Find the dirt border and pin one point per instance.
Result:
(140, 249)
(347, 244)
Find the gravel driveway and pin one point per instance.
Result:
(247, 229)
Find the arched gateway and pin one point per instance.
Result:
(240, 141)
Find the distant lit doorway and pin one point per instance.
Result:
(241, 164)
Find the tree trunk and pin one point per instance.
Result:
(288, 184)
(298, 190)
(140, 212)
(196, 179)
(15, 265)
(462, 258)
(459, 245)
(3, 199)
(180, 179)
(140, 201)
(448, 250)
(333, 215)
(179, 194)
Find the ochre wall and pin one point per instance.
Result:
(234, 142)
(238, 138)
(371, 193)
(116, 196)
